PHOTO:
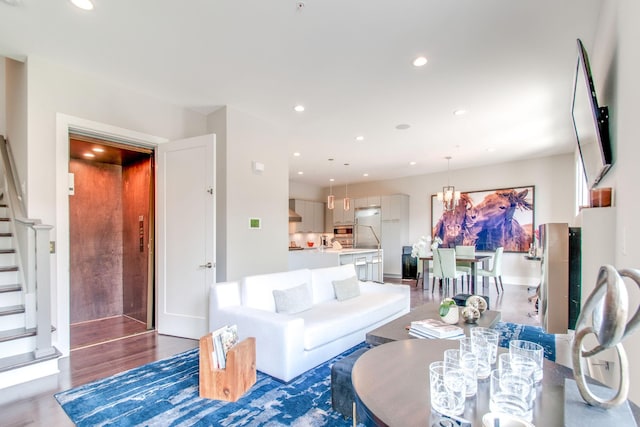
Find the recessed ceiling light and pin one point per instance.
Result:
(299, 108)
(359, 138)
(459, 112)
(83, 4)
(403, 126)
(300, 173)
(412, 163)
(89, 155)
(365, 174)
(420, 61)
(98, 150)
(296, 154)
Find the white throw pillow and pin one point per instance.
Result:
(293, 300)
(347, 288)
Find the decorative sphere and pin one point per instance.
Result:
(470, 314)
(477, 302)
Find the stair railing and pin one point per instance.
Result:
(32, 255)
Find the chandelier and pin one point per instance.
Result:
(448, 196)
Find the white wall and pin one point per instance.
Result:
(252, 195)
(625, 92)
(16, 114)
(3, 97)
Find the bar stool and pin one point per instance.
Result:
(361, 262)
(375, 260)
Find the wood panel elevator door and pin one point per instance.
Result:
(111, 215)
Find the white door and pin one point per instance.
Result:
(186, 234)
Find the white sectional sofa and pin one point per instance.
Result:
(290, 344)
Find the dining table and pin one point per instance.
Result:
(479, 258)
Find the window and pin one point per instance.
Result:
(582, 190)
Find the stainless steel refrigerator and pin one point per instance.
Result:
(560, 277)
(366, 232)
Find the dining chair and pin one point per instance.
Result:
(496, 269)
(444, 268)
(463, 251)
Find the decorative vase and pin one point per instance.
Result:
(449, 311)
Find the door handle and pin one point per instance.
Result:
(207, 265)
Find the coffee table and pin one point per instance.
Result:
(396, 329)
(391, 386)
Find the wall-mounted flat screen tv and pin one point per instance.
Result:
(591, 122)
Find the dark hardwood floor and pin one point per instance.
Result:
(99, 331)
(33, 404)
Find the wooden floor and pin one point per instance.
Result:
(99, 331)
(33, 404)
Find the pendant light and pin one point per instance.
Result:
(346, 203)
(448, 196)
(331, 199)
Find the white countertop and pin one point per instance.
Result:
(336, 251)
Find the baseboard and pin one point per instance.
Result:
(29, 373)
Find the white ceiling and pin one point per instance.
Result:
(349, 62)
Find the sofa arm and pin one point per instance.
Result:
(279, 337)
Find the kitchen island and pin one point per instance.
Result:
(368, 266)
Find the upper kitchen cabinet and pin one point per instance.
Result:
(342, 217)
(312, 214)
(367, 202)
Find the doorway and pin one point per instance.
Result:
(111, 223)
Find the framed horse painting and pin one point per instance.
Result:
(487, 219)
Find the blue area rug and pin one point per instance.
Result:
(514, 331)
(165, 393)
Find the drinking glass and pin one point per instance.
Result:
(479, 346)
(531, 350)
(447, 386)
(492, 336)
(469, 365)
(520, 364)
(452, 355)
(510, 392)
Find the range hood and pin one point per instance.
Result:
(294, 216)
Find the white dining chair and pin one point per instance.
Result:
(464, 251)
(496, 269)
(444, 268)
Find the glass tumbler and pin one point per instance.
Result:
(447, 388)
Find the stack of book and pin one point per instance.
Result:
(223, 339)
(433, 328)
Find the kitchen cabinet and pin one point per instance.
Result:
(312, 214)
(342, 217)
(365, 202)
(395, 231)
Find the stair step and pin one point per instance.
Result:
(9, 268)
(7, 251)
(10, 288)
(18, 333)
(12, 309)
(5, 219)
(15, 334)
(6, 234)
(25, 359)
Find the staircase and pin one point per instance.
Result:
(26, 350)
(19, 361)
